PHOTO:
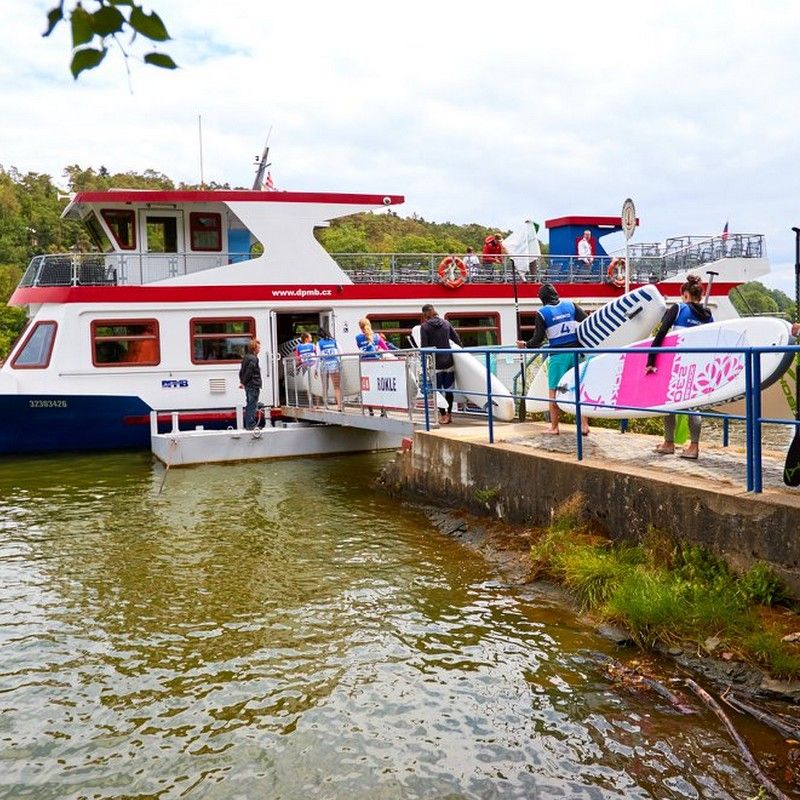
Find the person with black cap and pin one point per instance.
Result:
(556, 322)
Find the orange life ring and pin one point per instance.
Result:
(616, 272)
(452, 272)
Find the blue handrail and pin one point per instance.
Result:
(752, 418)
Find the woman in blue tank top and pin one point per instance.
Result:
(689, 312)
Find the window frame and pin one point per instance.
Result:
(105, 212)
(193, 215)
(95, 323)
(494, 315)
(193, 336)
(29, 335)
(417, 320)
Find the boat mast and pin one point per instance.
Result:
(262, 163)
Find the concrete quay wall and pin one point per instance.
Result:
(525, 485)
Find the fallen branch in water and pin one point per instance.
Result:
(747, 756)
(630, 675)
(776, 723)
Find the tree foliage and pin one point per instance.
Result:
(96, 28)
(755, 298)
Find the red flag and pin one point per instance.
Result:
(725, 232)
(269, 186)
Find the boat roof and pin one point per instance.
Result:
(188, 196)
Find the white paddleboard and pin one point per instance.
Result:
(470, 383)
(682, 380)
(626, 319)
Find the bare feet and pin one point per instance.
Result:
(552, 431)
(690, 451)
(665, 449)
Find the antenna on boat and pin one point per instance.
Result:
(262, 163)
(200, 136)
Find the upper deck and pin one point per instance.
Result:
(266, 238)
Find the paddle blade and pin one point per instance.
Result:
(791, 470)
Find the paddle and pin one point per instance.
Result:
(791, 469)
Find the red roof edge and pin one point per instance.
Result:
(234, 195)
(562, 222)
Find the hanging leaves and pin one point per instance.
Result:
(93, 32)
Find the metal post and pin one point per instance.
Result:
(748, 401)
(425, 391)
(489, 396)
(756, 404)
(576, 360)
(627, 266)
(726, 425)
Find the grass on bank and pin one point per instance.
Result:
(665, 592)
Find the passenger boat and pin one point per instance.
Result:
(158, 316)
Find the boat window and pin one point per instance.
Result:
(122, 224)
(220, 340)
(476, 330)
(205, 230)
(97, 233)
(125, 343)
(395, 327)
(162, 234)
(526, 325)
(37, 348)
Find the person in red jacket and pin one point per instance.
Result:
(493, 250)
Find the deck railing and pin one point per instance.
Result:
(650, 263)
(752, 419)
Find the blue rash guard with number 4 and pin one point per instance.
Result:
(560, 325)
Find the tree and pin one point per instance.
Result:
(94, 31)
(755, 298)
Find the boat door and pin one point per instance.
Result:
(162, 243)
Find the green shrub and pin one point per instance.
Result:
(761, 585)
(767, 647)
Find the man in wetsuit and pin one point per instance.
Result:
(556, 321)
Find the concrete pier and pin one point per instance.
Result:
(526, 474)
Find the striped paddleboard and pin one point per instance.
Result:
(627, 319)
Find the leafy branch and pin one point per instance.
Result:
(94, 31)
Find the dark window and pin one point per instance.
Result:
(162, 234)
(526, 325)
(97, 233)
(221, 339)
(476, 330)
(123, 227)
(125, 343)
(205, 231)
(396, 327)
(37, 348)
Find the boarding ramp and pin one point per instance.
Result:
(367, 391)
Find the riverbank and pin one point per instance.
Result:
(662, 585)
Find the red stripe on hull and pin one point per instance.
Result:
(431, 292)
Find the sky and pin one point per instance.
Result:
(474, 111)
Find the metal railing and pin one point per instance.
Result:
(348, 382)
(119, 269)
(650, 262)
(752, 419)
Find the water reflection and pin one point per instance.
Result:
(283, 630)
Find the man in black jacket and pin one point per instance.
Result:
(438, 332)
(250, 381)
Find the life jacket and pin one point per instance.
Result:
(329, 351)
(559, 323)
(367, 346)
(687, 318)
(305, 352)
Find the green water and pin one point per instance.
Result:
(285, 630)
